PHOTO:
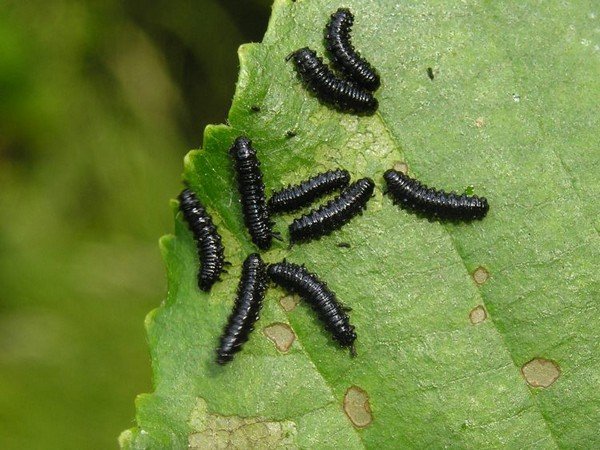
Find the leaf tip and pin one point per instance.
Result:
(126, 438)
(165, 244)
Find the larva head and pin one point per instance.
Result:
(242, 148)
(371, 106)
(343, 14)
(205, 284)
(223, 358)
(186, 196)
(485, 207)
(391, 175)
(302, 54)
(190, 206)
(367, 185)
(347, 337)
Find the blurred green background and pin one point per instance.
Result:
(99, 102)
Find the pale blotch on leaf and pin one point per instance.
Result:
(349, 123)
(281, 335)
(481, 275)
(477, 315)
(231, 432)
(357, 408)
(289, 302)
(126, 439)
(401, 167)
(479, 122)
(540, 372)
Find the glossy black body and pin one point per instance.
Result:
(412, 194)
(334, 214)
(342, 53)
(292, 198)
(208, 240)
(252, 192)
(297, 279)
(250, 294)
(344, 95)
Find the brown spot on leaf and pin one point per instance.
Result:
(479, 122)
(357, 408)
(289, 302)
(281, 335)
(401, 167)
(477, 315)
(540, 372)
(481, 275)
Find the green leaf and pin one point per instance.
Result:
(469, 335)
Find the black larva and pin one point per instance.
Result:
(208, 240)
(342, 94)
(342, 53)
(252, 192)
(334, 214)
(414, 195)
(430, 73)
(292, 198)
(250, 294)
(297, 279)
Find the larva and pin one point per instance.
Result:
(208, 240)
(334, 214)
(297, 279)
(430, 73)
(342, 53)
(342, 94)
(414, 195)
(250, 294)
(252, 192)
(292, 198)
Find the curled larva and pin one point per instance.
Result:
(297, 279)
(342, 53)
(344, 95)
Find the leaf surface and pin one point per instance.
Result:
(469, 335)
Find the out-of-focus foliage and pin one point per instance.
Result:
(99, 101)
